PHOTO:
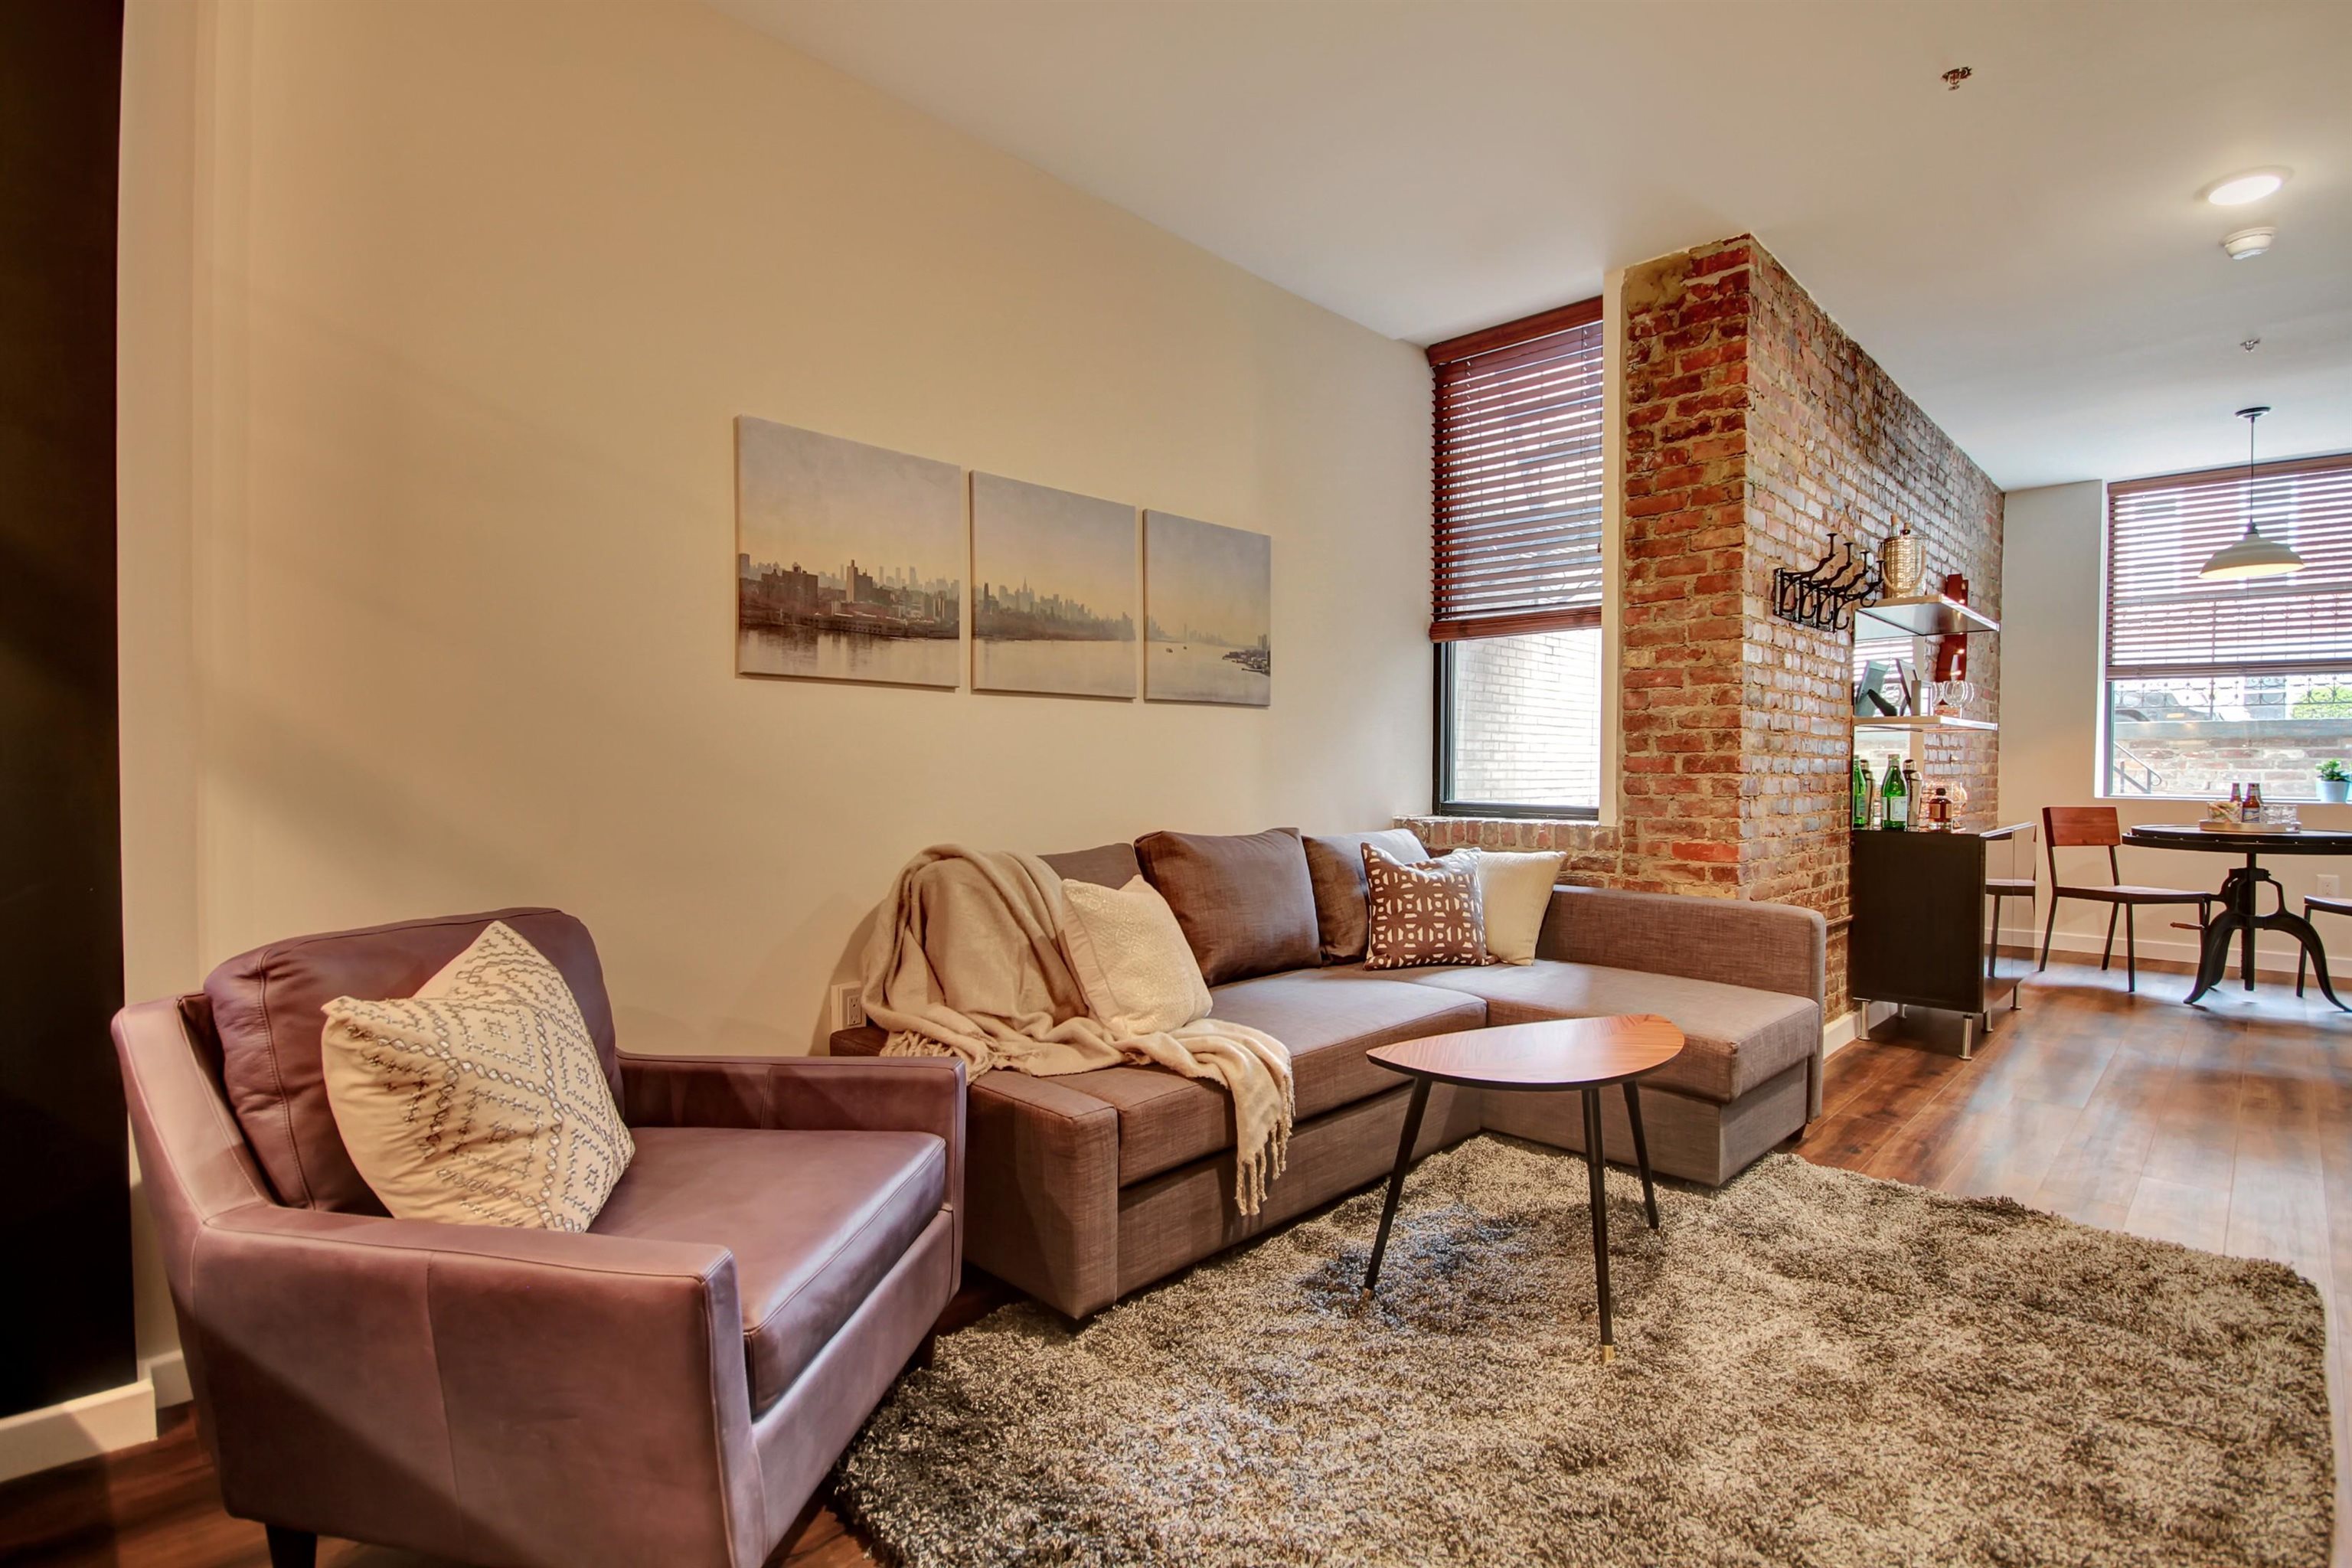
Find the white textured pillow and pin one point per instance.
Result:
(1131, 958)
(1515, 888)
(480, 1100)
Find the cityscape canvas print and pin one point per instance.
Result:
(1053, 599)
(849, 559)
(1208, 594)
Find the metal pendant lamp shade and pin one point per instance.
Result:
(2252, 555)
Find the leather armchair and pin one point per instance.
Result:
(670, 1387)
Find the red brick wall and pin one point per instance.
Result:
(1753, 426)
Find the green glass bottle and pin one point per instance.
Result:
(1895, 798)
(1863, 791)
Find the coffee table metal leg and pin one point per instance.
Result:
(1594, 1164)
(1641, 1150)
(1412, 1111)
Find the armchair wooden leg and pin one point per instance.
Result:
(291, 1548)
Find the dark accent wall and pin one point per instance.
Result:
(65, 1222)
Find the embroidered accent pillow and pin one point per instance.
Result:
(1424, 913)
(1514, 894)
(480, 1100)
(1131, 959)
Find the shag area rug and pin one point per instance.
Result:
(1813, 1367)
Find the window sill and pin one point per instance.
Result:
(1444, 830)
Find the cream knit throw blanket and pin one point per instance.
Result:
(966, 960)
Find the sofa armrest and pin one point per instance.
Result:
(440, 1387)
(805, 1094)
(1767, 947)
(1044, 1205)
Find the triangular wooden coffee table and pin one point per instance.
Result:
(1583, 1054)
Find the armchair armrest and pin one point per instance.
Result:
(479, 1393)
(814, 1094)
(1767, 947)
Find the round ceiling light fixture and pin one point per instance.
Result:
(2237, 190)
(2249, 243)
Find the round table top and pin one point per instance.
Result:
(1556, 1053)
(2285, 841)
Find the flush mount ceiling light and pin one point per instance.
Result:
(2239, 189)
(2249, 243)
(2252, 555)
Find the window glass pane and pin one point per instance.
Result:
(2193, 737)
(1524, 729)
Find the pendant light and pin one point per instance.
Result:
(2252, 556)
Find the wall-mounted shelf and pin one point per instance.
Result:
(1930, 617)
(1924, 722)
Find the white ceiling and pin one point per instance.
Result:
(2027, 257)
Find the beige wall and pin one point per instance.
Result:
(436, 322)
(2049, 739)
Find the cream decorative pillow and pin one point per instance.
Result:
(480, 1100)
(1131, 958)
(1516, 889)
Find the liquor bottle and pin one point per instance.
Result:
(1862, 792)
(1894, 797)
(2253, 812)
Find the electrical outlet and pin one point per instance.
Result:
(2330, 885)
(848, 1005)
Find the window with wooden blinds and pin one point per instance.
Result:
(2164, 621)
(1518, 424)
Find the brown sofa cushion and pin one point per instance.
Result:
(1108, 866)
(1328, 1017)
(1335, 863)
(1734, 1038)
(806, 1255)
(1245, 900)
(266, 1010)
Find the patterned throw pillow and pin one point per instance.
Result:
(480, 1100)
(1425, 913)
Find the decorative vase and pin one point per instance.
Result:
(2335, 790)
(1903, 564)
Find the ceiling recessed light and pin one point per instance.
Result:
(2239, 189)
(2249, 243)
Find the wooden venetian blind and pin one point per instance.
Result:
(1518, 477)
(2164, 620)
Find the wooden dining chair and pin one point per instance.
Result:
(2314, 905)
(2095, 827)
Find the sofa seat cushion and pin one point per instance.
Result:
(1328, 1017)
(814, 1220)
(1736, 1037)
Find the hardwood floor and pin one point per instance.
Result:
(2227, 1127)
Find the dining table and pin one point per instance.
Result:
(2241, 917)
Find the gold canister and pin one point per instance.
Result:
(1902, 565)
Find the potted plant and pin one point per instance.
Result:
(2335, 782)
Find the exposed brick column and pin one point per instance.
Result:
(1685, 552)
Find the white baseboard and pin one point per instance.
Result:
(1853, 1025)
(2273, 954)
(80, 1428)
(169, 1374)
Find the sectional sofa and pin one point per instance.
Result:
(1081, 1189)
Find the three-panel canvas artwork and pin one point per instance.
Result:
(852, 561)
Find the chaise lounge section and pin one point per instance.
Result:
(1084, 1188)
